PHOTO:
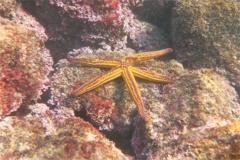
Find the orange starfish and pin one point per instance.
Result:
(122, 68)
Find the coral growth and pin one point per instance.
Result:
(25, 64)
(13, 11)
(46, 134)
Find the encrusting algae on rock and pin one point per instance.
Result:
(25, 65)
(206, 34)
(52, 134)
(198, 100)
(105, 24)
(219, 142)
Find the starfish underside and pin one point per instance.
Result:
(122, 68)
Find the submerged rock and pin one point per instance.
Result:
(199, 99)
(25, 65)
(219, 142)
(206, 34)
(108, 25)
(8, 9)
(196, 99)
(46, 134)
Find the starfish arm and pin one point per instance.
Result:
(133, 87)
(96, 82)
(149, 76)
(144, 56)
(94, 62)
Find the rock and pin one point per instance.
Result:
(45, 134)
(109, 25)
(8, 9)
(156, 12)
(219, 142)
(206, 34)
(199, 99)
(25, 65)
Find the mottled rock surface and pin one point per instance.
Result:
(25, 65)
(109, 25)
(8, 9)
(199, 99)
(206, 34)
(219, 142)
(45, 134)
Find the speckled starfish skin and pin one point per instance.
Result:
(122, 68)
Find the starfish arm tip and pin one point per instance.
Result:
(144, 118)
(69, 58)
(171, 80)
(74, 93)
(169, 50)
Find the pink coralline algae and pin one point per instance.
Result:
(100, 15)
(78, 23)
(52, 134)
(25, 64)
(105, 24)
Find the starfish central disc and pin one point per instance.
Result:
(125, 69)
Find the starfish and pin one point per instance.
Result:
(125, 69)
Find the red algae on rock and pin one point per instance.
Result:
(45, 134)
(25, 64)
(109, 25)
(77, 23)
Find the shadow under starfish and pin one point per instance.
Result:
(123, 68)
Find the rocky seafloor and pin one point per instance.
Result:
(195, 117)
